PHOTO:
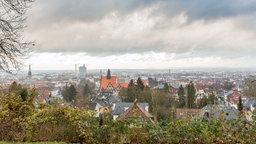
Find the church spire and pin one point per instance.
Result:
(109, 74)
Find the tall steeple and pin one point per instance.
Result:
(109, 74)
(29, 72)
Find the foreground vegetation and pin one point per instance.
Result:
(32, 142)
(21, 121)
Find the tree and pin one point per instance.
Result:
(250, 87)
(69, 93)
(131, 93)
(162, 106)
(18, 90)
(166, 87)
(240, 104)
(24, 94)
(203, 102)
(140, 84)
(12, 46)
(191, 95)
(212, 99)
(87, 90)
(182, 98)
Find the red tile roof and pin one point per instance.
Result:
(124, 85)
(104, 81)
(234, 97)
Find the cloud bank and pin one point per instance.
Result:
(191, 29)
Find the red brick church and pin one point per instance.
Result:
(109, 83)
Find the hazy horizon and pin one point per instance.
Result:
(155, 69)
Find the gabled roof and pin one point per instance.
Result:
(136, 111)
(93, 106)
(104, 82)
(228, 112)
(234, 97)
(120, 107)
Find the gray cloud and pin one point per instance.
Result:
(209, 9)
(91, 10)
(197, 28)
(84, 10)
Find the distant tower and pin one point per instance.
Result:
(109, 74)
(82, 72)
(75, 68)
(29, 72)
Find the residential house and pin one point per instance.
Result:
(136, 112)
(120, 108)
(174, 89)
(233, 98)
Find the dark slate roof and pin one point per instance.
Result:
(229, 111)
(249, 102)
(176, 86)
(114, 99)
(107, 100)
(48, 99)
(220, 95)
(120, 107)
(92, 106)
(161, 86)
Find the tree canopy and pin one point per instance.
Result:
(191, 95)
(140, 84)
(240, 104)
(69, 93)
(182, 98)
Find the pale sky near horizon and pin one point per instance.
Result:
(136, 34)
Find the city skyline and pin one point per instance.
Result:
(141, 34)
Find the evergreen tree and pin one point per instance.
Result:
(212, 99)
(140, 84)
(24, 94)
(240, 104)
(191, 95)
(182, 98)
(17, 89)
(203, 102)
(131, 84)
(130, 95)
(166, 87)
(86, 90)
(69, 93)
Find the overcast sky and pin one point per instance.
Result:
(136, 34)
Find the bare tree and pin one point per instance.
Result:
(13, 47)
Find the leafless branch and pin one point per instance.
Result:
(13, 49)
